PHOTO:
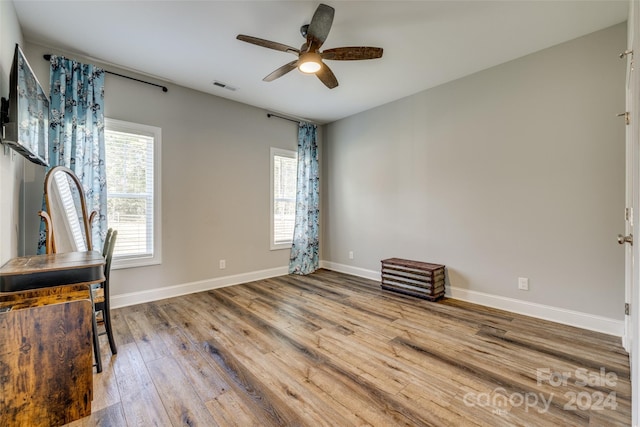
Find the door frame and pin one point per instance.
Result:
(632, 252)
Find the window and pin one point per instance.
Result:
(284, 169)
(133, 191)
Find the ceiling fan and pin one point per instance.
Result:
(309, 56)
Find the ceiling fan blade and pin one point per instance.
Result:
(281, 71)
(327, 77)
(268, 44)
(352, 53)
(319, 27)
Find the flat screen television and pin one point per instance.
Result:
(25, 115)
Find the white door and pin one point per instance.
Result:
(630, 196)
(632, 251)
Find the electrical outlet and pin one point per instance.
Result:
(223, 264)
(523, 283)
(350, 254)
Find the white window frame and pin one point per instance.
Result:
(156, 132)
(281, 153)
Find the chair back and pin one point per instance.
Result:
(101, 299)
(107, 253)
(105, 247)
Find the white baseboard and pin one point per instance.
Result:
(149, 295)
(555, 314)
(348, 269)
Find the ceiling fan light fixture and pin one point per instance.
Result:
(310, 63)
(309, 60)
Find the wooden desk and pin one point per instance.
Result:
(46, 363)
(41, 271)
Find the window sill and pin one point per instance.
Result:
(119, 264)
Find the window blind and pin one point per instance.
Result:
(284, 198)
(129, 164)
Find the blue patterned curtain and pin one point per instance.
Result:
(76, 134)
(304, 250)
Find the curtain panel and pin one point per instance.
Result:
(304, 250)
(76, 134)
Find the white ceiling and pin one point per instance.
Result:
(426, 43)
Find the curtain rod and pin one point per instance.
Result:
(283, 118)
(290, 119)
(164, 88)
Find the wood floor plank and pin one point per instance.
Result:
(105, 386)
(193, 321)
(333, 349)
(229, 410)
(140, 400)
(294, 390)
(382, 371)
(294, 307)
(339, 369)
(487, 347)
(121, 332)
(111, 416)
(450, 412)
(182, 403)
(208, 383)
(341, 405)
(239, 377)
(141, 324)
(257, 393)
(499, 374)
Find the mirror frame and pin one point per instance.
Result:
(46, 215)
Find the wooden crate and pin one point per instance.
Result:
(415, 278)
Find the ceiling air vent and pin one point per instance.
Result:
(224, 86)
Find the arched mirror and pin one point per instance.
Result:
(68, 223)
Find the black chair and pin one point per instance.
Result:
(101, 300)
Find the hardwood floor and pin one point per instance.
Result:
(335, 350)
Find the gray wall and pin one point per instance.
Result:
(215, 180)
(516, 171)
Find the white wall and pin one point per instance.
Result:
(11, 163)
(215, 180)
(516, 171)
